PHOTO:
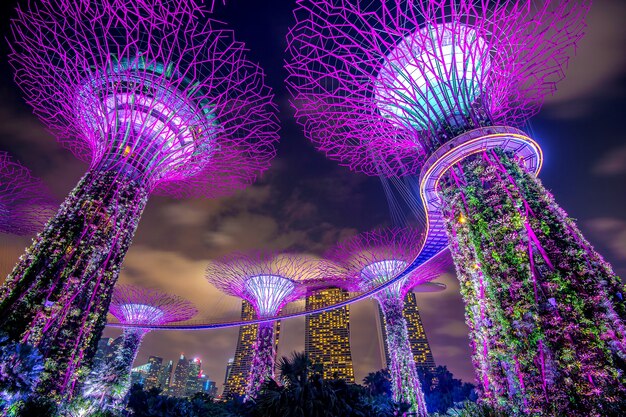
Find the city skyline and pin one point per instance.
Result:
(600, 171)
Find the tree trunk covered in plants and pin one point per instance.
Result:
(58, 295)
(546, 312)
(263, 357)
(404, 380)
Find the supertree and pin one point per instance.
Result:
(25, 202)
(267, 281)
(158, 99)
(109, 382)
(398, 87)
(372, 259)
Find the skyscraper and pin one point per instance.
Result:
(327, 335)
(237, 372)
(420, 347)
(178, 386)
(208, 386)
(154, 373)
(165, 377)
(229, 367)
(193, 384)
(139, 374)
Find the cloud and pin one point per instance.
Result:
(599, 60)
(611, 163)
(611, 232)
(454, 329)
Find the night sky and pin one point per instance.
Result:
(305, 203)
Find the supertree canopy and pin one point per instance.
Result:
(157, 98)
(25, 202)
(268, 282)
(109, 382)
(395, 87)
(372, 259)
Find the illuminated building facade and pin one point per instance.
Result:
(153, 380)
(420, 347)
(178, 387)
(238, 370)
(327, 335)
(165, 378)
(193, 377)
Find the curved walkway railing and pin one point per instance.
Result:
(436, 241)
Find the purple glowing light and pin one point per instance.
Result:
(269, 291)
(380, 86)
(153, 89)
(25, 202)
(377, 257)
(158, 99)
(267, 280)
(135, 305)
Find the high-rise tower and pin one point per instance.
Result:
(268, 281)
(153, 380)
(238, 371)
(327, 335)
(178, 386)
(165, 378)
(422, 353)
(194, 384)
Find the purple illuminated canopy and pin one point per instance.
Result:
(374, 258)
(151, 89)
(25, 202)
(380, 85)
(135, 305)
(267, 280)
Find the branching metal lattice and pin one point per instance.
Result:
(135, 305)
(379, 85)
(268, 281)
(157, 98)
(25, 202)
(109, 381)
(153, 88)
(373, 258)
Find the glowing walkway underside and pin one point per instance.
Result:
(436, 241)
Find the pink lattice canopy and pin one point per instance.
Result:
(25, 202)
(380, 85)
(135, 305)
(267, 280)
(152, 89)
(377, 257)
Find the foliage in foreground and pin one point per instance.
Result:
(301, 391)
(443, 391)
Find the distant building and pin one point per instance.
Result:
(138, 374)
(178, 386)
(153, 380)
(165, 377)
(208, 386)
(103, 349)
(229, 367)
(237, 376)
(193, 384)
(327, 335)
(422, 352)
